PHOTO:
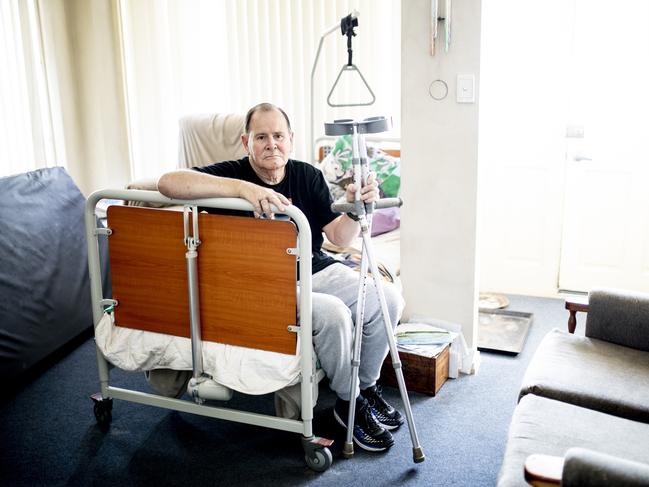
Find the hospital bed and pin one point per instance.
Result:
(212, 293)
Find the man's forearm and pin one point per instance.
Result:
(188, 184)
(342, 231)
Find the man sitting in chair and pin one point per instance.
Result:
(268, 176)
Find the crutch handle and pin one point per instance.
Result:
(382, 203)
(371, 125)
(343, 207)
(388, 203)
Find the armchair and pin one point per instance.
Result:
(203, 139)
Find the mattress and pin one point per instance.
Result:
(242, 369)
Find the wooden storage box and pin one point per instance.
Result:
(421, 374)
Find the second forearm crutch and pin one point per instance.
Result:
(363, 211)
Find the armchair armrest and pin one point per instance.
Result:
(582, 467)
(619, 317)
(587, 467)
(147, 184)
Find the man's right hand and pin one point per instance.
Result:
(261, 198)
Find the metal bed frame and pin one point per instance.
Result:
(317, 454)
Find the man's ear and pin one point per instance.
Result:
(244, 142)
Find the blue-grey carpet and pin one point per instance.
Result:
(49, 436)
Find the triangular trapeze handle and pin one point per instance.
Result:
(350, 67)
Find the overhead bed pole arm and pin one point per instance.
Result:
(353, 17)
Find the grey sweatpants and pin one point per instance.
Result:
(335, 295)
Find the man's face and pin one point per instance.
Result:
(269, 141)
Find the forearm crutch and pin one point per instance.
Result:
(363, 212)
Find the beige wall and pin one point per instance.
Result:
(439, 169)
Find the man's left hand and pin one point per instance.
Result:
(369, 192)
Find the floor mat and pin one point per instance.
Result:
(503, 331)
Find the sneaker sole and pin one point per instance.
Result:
(364, 447)
(389, 427)
(371, 448)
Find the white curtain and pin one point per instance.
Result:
(183, 57)
(28, 135)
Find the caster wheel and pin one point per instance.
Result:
(320, 460)
(103, 410)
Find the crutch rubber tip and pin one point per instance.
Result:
(348, 450)
(418, 454)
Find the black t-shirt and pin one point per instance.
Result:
(303, 185)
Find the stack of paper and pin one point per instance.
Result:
(422, 334)
(423, 339)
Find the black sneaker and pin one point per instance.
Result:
(368, 433)
(385, 414)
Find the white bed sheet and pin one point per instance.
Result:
(242, 369)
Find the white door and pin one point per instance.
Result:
(524, 58)
(606, 206)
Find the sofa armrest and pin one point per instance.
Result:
(619, 317)
(543, 470)
(584, 467)
(581, 467)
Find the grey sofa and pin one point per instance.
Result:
(587, 398)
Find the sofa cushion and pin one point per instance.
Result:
(546, 426)
(590, 373)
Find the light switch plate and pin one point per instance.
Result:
(465, 88)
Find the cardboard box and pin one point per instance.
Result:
(421, 374)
